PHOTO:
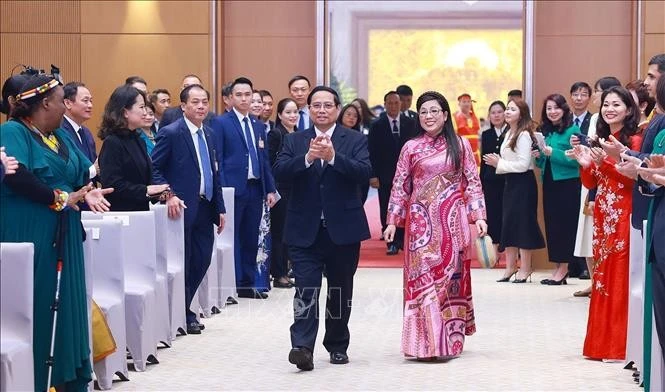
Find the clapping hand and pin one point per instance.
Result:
(612, 147)
(655, 167)
(320, 148)
(628, 166)
(583, 155)
(598, 155)
(492, 159)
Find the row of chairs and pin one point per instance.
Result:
(134, 264)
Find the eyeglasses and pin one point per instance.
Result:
(434, 112)
(326, 106)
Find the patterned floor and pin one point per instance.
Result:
(529, 338)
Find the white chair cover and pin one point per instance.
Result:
(87, 261)
(107, 247)
(225, 251)
(16, 296)
(171, 251)
(140, 267)
(634, 338)
(208, 290)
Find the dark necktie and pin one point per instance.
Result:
(577, 122)
(206, 167)
(395, 132)
(253, 157)
(301, 122)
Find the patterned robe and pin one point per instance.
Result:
(608, 311)
(436, 203)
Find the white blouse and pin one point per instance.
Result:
(518, 161)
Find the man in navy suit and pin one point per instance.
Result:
(327, 165)
(185, 158)
(78, 105)
(244, 165)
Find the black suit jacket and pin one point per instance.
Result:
(334, 190)
(584, 127)
(125, 166)
(87, 142)
(491, 143)
(174, 114)
(383, 151)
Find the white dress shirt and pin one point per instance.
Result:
(250, 171)
(329, 135)
(195, 138)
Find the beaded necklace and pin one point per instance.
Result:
(51, 141)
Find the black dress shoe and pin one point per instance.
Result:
(584, 275)
(338, 358)
(252, 293)
(302, 358)
(202, 327)
(193, 329)
(281, 285)
(392, 250)
(231, 301)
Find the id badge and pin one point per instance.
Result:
(261, 145)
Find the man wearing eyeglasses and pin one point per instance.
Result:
(327, 165)
(580, 95)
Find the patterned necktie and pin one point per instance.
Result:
(206, 167)
(254, 158)
(395, 132)
(301, 122)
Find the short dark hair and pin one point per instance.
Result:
(241, 80)
(515, 93)
(660, 93)
(265, 93)
(658, 60)
(184, 94)
(153, 96)
(389, 93)
(135, 79)
(297, 78)
(404, 90)
(324, 88)
(642, 95)
(580, 85)
(71, 89)
(226, 89)
(10, 89)
(606, 82)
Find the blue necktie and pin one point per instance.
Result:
(301, 122)
(577, 122)
(205, 165)
(251, 147)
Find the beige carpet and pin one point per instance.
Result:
(529, 338)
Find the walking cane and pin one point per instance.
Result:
(58, 243)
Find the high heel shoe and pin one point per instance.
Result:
(523, 280)
(507, 278)
(553, 282)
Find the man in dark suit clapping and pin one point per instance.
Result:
(387, 135)
(244, 165)
(327, 165)
(185, 158)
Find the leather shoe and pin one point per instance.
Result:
(251, 293)
(231, 301)
(584, 275)
(281, 285)
(302, 358)
(338, 358)
(392, 250)
(202, 327)
(193, 329)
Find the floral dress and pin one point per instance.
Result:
(436, 203)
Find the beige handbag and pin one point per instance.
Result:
(485, 251)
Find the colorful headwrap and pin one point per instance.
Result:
(38, 90)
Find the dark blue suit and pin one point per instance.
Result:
(175, 162)
(87, 142)
(334, 191)
(233, 157)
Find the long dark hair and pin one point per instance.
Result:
(525, 123)
(359, 121)
(113, 119)
(547, 126)
(281, 105)
(453, 142)
(367, 116)
(629, 122)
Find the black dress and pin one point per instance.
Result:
(493, 184)
(279, 258)
(561, 206)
